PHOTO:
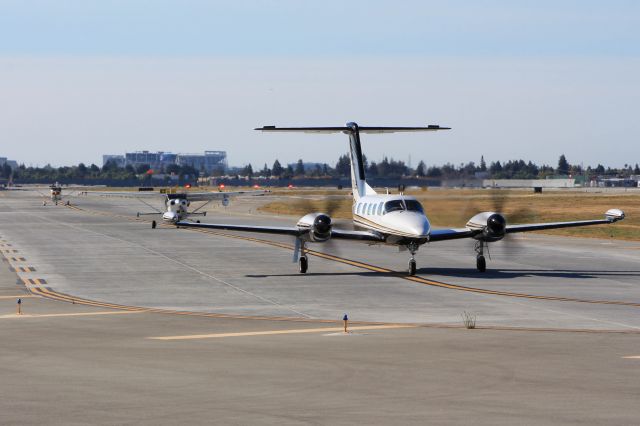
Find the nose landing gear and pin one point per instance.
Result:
(413, 248)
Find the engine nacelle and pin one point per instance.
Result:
(319, 226)
(493, 226)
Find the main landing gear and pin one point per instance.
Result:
(303, 261)
(154, 224)
(303, 264)
(481, 262)
(413, 248)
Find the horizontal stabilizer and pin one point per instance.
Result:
(344, 129)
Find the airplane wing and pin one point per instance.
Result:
(191, 196)
(207, 196)
(126, 194)
(611, 216)
(283, 230)
(452, 234)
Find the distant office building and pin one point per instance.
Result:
(117, 159)
(158, 161)
(209, 162)
(10, 163)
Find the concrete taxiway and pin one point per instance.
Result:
(98, 251)
(165, 326)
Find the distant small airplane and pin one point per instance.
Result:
(55, 193)
(177, 205)
(398, 220)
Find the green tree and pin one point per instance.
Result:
(343, 166)
(247, 170)
(421, 170)
(563, 166)
(277, 169)
(299, 168)
(483, 165)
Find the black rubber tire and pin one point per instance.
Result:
(481, 263)
(153, 225)
(412, 267)
(303, 264)
(197, 221)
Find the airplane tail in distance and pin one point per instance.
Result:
(358, 180)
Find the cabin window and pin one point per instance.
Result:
(380, 209)
(369, 210)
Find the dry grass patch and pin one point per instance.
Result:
(453, 208)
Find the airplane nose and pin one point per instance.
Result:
(419, 226)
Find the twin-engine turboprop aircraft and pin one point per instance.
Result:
(177, 205)
(392, 219)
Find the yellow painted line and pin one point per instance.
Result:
(21, 296)
(73, 314)
(275, 332)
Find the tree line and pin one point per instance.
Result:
(386, 168)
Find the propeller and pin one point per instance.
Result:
(499, 202)
(329, 206)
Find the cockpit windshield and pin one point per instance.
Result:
(400, 205)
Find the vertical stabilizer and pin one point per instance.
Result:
(358, 181)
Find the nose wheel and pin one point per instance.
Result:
(413, 249)
(412, 267)
(153, 225)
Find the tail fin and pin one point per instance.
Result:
(358, 181)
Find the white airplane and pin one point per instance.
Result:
(55, 193)
(392, 219)
(177, 205)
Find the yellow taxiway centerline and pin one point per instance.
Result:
(274, 332)
(74, 314)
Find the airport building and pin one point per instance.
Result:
(208, 162)
(10, 163)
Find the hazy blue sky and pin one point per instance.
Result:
(514, 79)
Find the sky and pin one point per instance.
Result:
(514, 79)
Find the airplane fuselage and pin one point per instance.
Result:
(398, 217)
(176, 210)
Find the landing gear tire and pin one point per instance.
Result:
(303, 263)
(197, 221)
(153, 225)
(412, 267)
(481, 264)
